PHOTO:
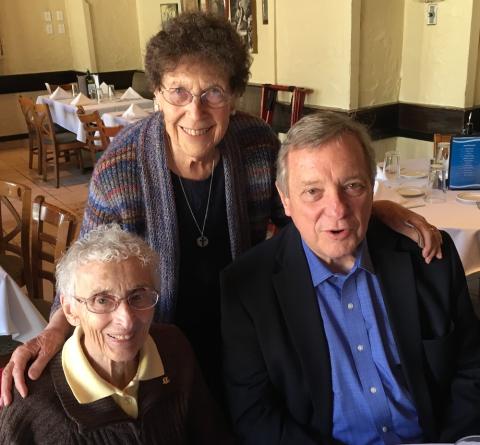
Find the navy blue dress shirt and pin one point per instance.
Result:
(371, 404)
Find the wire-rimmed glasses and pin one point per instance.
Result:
(103, 303)
(213, 97)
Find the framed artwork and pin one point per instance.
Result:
(242, 14)
(168, 11)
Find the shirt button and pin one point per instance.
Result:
(350, 306)
(384, 429)
(360, 348)
(373, 390)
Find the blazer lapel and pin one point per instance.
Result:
(297, 298)
(396, 275)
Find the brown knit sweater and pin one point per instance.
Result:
(173, 409)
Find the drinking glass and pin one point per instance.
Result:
(99, 93)
(436, 190)
(469, 439)
(391, 166)
(442, 155)
(74, 89)
(111, 92)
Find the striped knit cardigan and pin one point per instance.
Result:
(131, 185)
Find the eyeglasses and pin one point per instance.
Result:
(103, 303)
(213, 97)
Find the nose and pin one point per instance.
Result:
(336, 204)
(124, 315)
(195, 107)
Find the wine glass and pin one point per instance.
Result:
(391, 166)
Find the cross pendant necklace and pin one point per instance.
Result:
(202, 240)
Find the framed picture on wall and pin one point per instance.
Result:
(242, 14)
(168, 11)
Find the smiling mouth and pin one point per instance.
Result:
(120, 337)
(192, 132)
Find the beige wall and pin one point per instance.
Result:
(81, 42)
(314, 49)
(435, 62)
(115, 34)
(380, 52)
(27, 46)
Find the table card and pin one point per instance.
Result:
(464, 172)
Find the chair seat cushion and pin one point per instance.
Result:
(65, 138)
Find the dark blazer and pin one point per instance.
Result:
(277, 364)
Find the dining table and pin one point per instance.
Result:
(115, 118)
(65, 114)
(19, 318)
(459, 217)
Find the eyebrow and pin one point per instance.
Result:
(107, 291)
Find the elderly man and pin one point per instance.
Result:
(336, 330)
(119, 379)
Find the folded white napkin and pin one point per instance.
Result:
(131, 94)
(60, 93)
(135, 112)
(81, 99)
(104, 88)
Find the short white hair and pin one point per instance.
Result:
(104, 244)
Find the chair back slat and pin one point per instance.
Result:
(53, 229)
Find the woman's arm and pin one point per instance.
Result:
(412, 225)
(41, 350)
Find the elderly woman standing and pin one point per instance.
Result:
(196, 181)
(118, 379)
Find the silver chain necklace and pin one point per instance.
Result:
(202, 240)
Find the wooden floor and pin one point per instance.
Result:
(73, 190)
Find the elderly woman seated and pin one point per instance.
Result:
(118, 379)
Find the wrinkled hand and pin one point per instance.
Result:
(41, 348)
(412, 225)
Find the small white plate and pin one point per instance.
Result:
(410, 192)
(469, 197)
(413, 174)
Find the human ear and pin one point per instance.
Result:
(285, 199)
(70, 310)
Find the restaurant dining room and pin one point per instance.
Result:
(75, 75)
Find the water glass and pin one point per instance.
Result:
(74, 89)
(99, 94)
(442, 154)
(436, 190)
(391, 166)
(111, 92)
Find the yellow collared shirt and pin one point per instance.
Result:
(87, 386)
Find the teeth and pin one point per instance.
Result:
(193, 132)
(120, 337)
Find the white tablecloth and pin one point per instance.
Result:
(18, 316)
(115, 118)
(461, 221)
(65, 114)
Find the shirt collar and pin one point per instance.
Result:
(87, 386)
(320, 271)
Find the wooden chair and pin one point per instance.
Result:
(54, 145)
(269, 99)
(15, 231)
(53, 230)
(97, 134)
(34, 147)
